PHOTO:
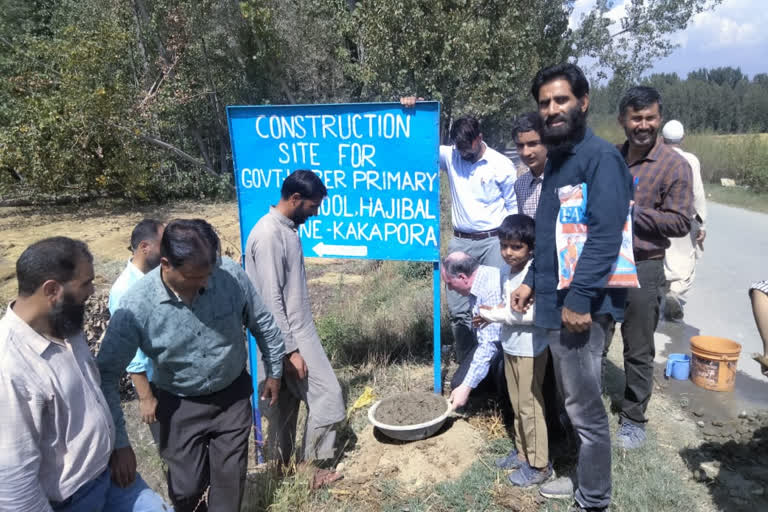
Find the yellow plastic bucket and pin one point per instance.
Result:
(713, 362)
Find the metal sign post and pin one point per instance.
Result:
(379, 162)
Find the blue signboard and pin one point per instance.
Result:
(379, 162)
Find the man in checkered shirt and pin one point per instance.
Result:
(481, 284)
(533, 153)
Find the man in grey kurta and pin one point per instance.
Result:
(275, 264)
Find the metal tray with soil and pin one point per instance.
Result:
(410, 416)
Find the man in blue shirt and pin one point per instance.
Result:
(145, 249)
(188, 316)
(584, 311)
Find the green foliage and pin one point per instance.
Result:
(737, 196)
(743, 158)
(117, 98)
(125, 98)
(641, 37)
(721, 100)
(388, 318)
(475, 56)
(414, 270)
(336, 332)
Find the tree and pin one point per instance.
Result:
(127, 97)
(641, 36)
(475, 56)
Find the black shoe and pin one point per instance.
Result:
(578, 508)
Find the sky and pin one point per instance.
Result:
(734, 34)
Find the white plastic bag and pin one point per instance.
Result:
(571, 234)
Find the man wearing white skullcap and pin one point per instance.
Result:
(680, 257)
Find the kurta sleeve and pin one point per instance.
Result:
(505, 314)
(265, 265)
(261, 323)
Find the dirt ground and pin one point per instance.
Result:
(106, 228)
(410, 408)
(724, 458)
(444, 456)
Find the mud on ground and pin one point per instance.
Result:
(410, 408)
(444, 456)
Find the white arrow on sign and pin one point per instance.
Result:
(322, 249)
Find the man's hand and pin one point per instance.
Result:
(479, 322)
(147, 400)
(147, 408)
(295, 366)
(122, 466)
(576, 322)
(271, 390)
(409, 101)
(522, 298)
(459, 396)
(700, 236)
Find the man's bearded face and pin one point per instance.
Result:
(67, 316)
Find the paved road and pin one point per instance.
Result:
(735, 255)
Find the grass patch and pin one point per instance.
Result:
(388, 316)
(737, 196)
(742, 157)
(643, 480)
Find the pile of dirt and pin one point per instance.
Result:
(410, 408)
(96, 321)
(439, 458)
(733, 460)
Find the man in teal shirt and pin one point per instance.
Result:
(188, 316)
(145, 256)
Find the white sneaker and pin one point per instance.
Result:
(559, 488)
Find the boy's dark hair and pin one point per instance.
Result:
(456, 265)
(189, 240)
(570, 72)
(529, 122)
(464, 131)
(306, 183)
(640, 97)
(54, 258)
(518, 227)
(145, 230)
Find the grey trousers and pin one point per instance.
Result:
(576, 358)
(488, 252)
(325, 408)
(204, 442)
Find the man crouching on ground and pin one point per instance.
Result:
(484, 363)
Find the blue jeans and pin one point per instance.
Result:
(102, 495)
(577, 361)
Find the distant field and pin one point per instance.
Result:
(742, 157)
